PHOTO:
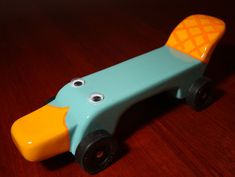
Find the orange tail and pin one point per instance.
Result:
(197, 35)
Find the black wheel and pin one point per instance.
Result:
(96, 151)
(200, 93)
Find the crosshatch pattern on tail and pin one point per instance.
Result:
(197, 36)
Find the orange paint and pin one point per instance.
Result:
(42, 133)
(197, 35)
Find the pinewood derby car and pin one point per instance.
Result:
(85, 112)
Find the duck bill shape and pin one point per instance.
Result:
(42, 133)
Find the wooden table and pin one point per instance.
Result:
(44, 44)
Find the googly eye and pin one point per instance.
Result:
(78, 83)
(96, 97)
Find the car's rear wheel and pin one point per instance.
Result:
(96, 151)
(200, 94)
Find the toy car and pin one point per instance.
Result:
(83, 115)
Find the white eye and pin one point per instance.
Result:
(96, 97)
(77, 82)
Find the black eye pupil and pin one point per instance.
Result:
(96, 98)
(77, 83)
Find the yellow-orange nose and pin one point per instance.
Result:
(42, 133)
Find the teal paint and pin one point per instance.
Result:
(123, 85)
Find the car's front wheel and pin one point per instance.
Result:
(96, 151)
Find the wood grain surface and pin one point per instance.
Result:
(45, 43)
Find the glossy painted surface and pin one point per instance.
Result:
(122, 85)
(197, 35)
(44, 44)
(42, 133)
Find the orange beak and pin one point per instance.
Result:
(42, 133)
